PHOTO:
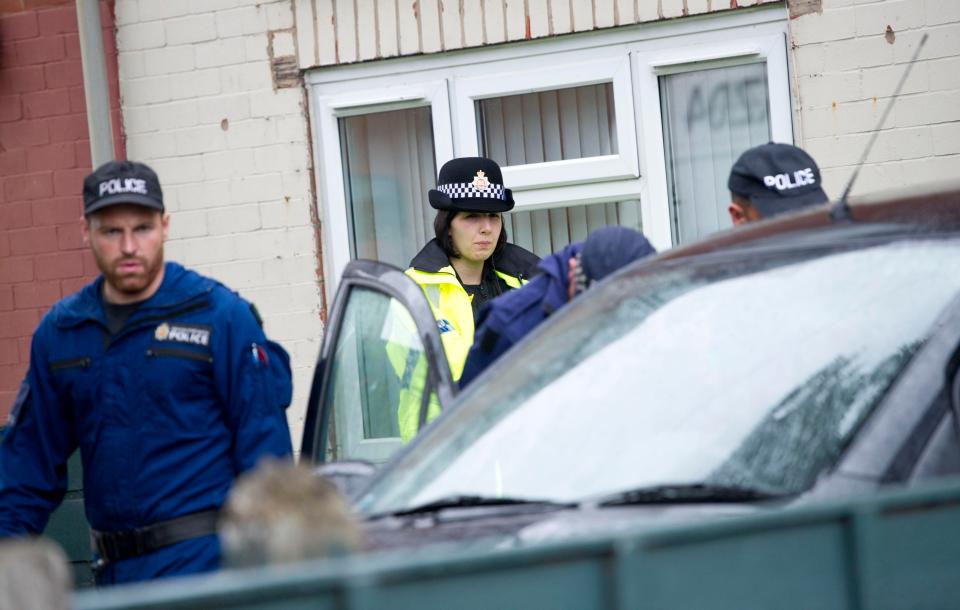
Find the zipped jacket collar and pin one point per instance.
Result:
(180, 287)
(432, 259)
(511, 260)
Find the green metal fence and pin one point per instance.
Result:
(68, 524)
(896, 550)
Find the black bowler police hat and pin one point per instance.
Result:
(777, 178)
(471, 184)
(117, 182)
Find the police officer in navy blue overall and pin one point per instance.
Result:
(507, 319)
(164, 380)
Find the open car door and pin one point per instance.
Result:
(381, 360)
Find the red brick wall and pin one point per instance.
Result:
(44, 155)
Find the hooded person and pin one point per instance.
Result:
(563, 275)
(466, 264)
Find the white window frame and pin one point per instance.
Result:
(327, 110)
(571, 70)
(697, 53)
(451, 82)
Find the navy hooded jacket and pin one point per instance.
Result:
(166, 412)
(507, 319)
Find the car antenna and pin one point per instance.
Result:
(841, 209)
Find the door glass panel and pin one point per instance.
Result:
(388, 166)
(709, 118)
(378, 365)
(570, 123)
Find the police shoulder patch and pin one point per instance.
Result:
(444, 325)
(193, 334)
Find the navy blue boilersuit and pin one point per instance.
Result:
(166, 413)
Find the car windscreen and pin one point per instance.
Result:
(751, 370)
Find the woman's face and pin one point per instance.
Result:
(475, 234)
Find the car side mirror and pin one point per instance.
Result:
(349, 476)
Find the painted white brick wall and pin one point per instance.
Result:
(846, 69)
(232, 153)
(344, 31)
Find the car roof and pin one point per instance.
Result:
(936, 208)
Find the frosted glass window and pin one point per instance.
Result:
(388, 167)
(710, 117)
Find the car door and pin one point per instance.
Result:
(381, 348)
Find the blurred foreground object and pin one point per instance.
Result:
(280, 513)
(34, 575)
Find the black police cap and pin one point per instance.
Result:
(777, 178)
(471, 184)
(117, 182)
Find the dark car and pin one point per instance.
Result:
(778, 363)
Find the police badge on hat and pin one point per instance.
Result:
(480, 181)
(471, 184)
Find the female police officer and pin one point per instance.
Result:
(469, 261)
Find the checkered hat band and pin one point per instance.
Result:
(460, 190)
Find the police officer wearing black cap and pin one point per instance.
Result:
(163, 379)
(469, 260)
(773, 179)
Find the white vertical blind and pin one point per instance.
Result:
(388, 166)
(569, 123)
(710, 117)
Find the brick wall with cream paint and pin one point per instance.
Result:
(200, 106)
(847, 65)
(347, 31)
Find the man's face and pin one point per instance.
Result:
(127, 243)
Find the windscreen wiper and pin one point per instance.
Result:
(687, 493)
(466, 501)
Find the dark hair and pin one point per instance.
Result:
(441, 230)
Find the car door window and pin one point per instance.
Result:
(381, 365)
(378, 361)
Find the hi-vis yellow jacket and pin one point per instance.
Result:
(451, 306)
